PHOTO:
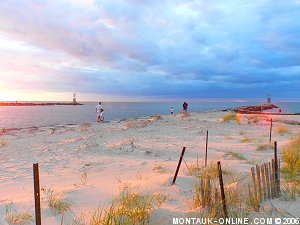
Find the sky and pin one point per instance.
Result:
(149, 50)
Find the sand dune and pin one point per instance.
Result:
(92, 163)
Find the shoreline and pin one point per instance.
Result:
(90, 163)
(239, 110)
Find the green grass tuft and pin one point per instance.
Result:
(263, 147)
(14, 216)
(281, 130)
(229, 117)
(56, 202)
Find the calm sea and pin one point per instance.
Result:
(30, 116)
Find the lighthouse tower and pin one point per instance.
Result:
(74, 99)
(268, 99)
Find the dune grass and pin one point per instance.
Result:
(3, 143)
(14, 216)
(230, 116)
(235, 155)
(291, 158)
(84, 178)
(56, 201)
(158, 168)
(263, 147)
(207, 198)
(281, 130)
(246, 139)
(127, 208)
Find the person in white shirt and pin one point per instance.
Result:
(99, 110)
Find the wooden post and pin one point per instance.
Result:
(178, 166)
(277, 180)
(222, 190)
(37, 197)
(259, 183)
(271, 131)
(206, 148)
(254, 182)
(267, 180)
(271, 179)
(263, 181)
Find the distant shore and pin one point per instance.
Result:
(37, 104)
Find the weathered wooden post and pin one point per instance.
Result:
(277, 180)
(267, 179)
(178, 166)
(263, 181)
(206, 148)
(271, 131)
(259, 183)
(254, 182)
(222, 190)
(37, 197)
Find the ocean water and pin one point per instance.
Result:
(14, 117)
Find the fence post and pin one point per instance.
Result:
(259, 183)
(277, 180)
(37, 197)
(178, 166)
(263, 181)
(271, 178)
(206, 148)
(271, 131)
(254, 182)
(222, 190)
(267, 179)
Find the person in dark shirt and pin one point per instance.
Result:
(185, 106)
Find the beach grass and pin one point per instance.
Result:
(281, 130)
(57, 202)
(263, 147)
(14, 216)
(246, 139)
(228, 117)
(291, 158)
(84, 178)
(3, 143)
(158, 168)
(127, 208)
(235, 155)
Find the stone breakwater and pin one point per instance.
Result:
(255, 108)
(36, 104)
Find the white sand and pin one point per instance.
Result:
(141, 153)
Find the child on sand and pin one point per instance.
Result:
(102, 115)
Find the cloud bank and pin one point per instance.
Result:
(157, 49)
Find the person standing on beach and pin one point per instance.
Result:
(171, 110)
(185, 106)
(99, 110)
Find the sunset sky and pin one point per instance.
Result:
(122, 50)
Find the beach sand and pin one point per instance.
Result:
(92, 163)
